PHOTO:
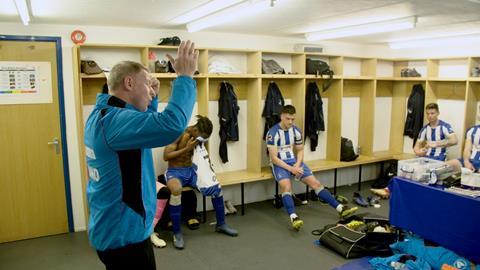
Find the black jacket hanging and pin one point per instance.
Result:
(414, 121)
(228, 116)
(314, 121)
(273, 107)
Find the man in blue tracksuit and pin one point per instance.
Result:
(119, 135)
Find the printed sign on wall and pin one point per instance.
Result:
(25, 82)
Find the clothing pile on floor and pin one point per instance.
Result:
(412, 254)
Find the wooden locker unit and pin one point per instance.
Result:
(367, 81)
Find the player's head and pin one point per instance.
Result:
(203, 128)
(432, 112)
(287, 118)
(131, 82)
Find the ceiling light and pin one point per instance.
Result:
(246, 8)
(364, 29)
(201, 11)
(22, 10)
(436, 42)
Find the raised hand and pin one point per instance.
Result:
(186, 62)
(192, 142)
(155, 84)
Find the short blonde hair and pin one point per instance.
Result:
(120, 71)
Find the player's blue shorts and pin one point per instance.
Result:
(280, 173)
(440, 157)
(186, 175)
(475, 163)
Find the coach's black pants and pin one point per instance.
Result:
(134, 256)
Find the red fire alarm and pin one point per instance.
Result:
(78, 37)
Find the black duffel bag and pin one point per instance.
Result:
(320, 68)
(351, 243)
(347, 153)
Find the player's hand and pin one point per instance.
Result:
(299, 166)
(155, 84)
(186, 62)
(297, 171)
(192, 142)
(432, 144)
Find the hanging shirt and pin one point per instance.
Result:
(437, 134)
(474, 135)
(284, 140)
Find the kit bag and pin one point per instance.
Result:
(164, 66)
(271, 67)
(320, 68)
(346, 151)
(351, 243)
(89, 67)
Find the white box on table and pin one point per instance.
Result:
(418, 169)
(470, 178)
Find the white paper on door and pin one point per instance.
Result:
(25, 82)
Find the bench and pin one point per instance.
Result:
(244, 177)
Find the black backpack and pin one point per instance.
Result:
(320, 68)
(346, 151)
(351, 243)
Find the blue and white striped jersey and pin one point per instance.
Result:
(474, 135)
(284, 140)
(436, 134)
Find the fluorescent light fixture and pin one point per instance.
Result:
(240, 10)
(436, 42)
(364, 29)
(22, 10)
(201, 11)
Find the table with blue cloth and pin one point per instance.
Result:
(448, 219)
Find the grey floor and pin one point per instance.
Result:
(265, 242)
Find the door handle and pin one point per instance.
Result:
(56, 143)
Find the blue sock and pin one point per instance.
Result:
(327, 196)
(176, 216)
(219, 207)
(288, 202)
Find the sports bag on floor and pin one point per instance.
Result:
(351, 243)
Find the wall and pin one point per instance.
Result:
(111, 35)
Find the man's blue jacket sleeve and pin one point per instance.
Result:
(132, 129)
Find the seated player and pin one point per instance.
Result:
(181, 171)
(281, 140)
(432, 142)
(434, 137)
(471, 151)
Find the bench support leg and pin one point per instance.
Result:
(359, 177)
(204, 200)
(382, 165)
(335, 181)
(242, 187)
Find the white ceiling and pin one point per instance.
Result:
(289, 18)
